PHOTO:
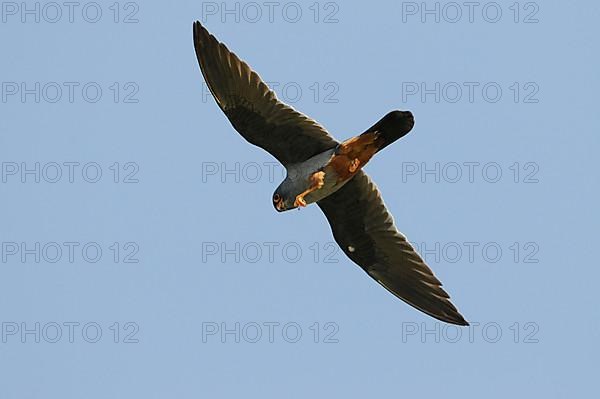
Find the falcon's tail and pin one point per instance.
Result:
(390, 128)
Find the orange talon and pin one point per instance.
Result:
(317, 181)
(299, 201)
(354, 165)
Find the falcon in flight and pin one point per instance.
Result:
(323, 170)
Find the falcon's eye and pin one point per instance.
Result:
(276, 198)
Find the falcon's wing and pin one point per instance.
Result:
(253, 109)
(365, 231)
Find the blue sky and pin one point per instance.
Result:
(141, 255)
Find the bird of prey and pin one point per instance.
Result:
(323, 170)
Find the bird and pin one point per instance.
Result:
(327, 172)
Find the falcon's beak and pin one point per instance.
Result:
(280, 205)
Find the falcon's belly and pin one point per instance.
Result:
(339, 165)
(299, 177)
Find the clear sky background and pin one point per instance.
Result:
(201, 289)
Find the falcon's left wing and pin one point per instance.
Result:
(365, 231)
(253, 109)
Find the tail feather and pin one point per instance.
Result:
(361, 148)
(390, 128)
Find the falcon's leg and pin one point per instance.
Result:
(317, 180)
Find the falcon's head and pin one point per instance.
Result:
(285, 195)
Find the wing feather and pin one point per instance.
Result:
(366, 232)
(253, 109)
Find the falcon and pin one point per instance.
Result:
(329, 173)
